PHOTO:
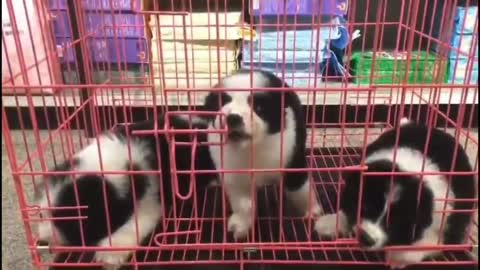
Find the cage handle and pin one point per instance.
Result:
(158, 237)
(174, 171)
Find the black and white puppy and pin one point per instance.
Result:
(257, 120)
(129, 202)
(412, 222)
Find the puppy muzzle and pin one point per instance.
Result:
(236, 128)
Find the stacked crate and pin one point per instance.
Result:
(193, 49)
(289, 42)
(115, 38)
(390, 67)
(464, 45)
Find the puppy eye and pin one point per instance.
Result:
(258, 108)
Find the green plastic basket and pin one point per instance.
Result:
(390, 68)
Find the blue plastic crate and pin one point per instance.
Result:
(466, 25)
(463, 43)
(458, 71)
(273, 57)
(305, 40)
(299, 7)
(297, 79)
(126, 25)
(118, 5)
(308, 68)
(130, 50)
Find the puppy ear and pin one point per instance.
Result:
(212, 101)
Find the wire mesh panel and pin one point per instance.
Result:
(156, 140)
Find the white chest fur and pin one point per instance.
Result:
(270, 154)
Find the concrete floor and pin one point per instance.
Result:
(14, 246)
(15, 254)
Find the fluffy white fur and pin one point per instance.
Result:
(327, 224)
(266, 155)
(373, 227)
(254, 125)
(45, 231)
(407, 160)
(405, 121)
(114, 156)
(147, 216)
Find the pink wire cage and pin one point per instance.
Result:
(72, 69)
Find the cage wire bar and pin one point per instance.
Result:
(114, 62)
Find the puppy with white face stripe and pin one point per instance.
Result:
(391, 213)
(110, 215)
(265, 129)
(119, 210)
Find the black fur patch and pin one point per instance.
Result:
(441, 151)
(159, 144)
(91, 188)
(91, 194)
(407, 212)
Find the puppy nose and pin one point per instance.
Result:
(234, 121)
(365, 239)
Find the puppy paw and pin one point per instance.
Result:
(315, 211)
(402, 259)
(327, 225)
(113, 259)
(239, 226)
(395, 264)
